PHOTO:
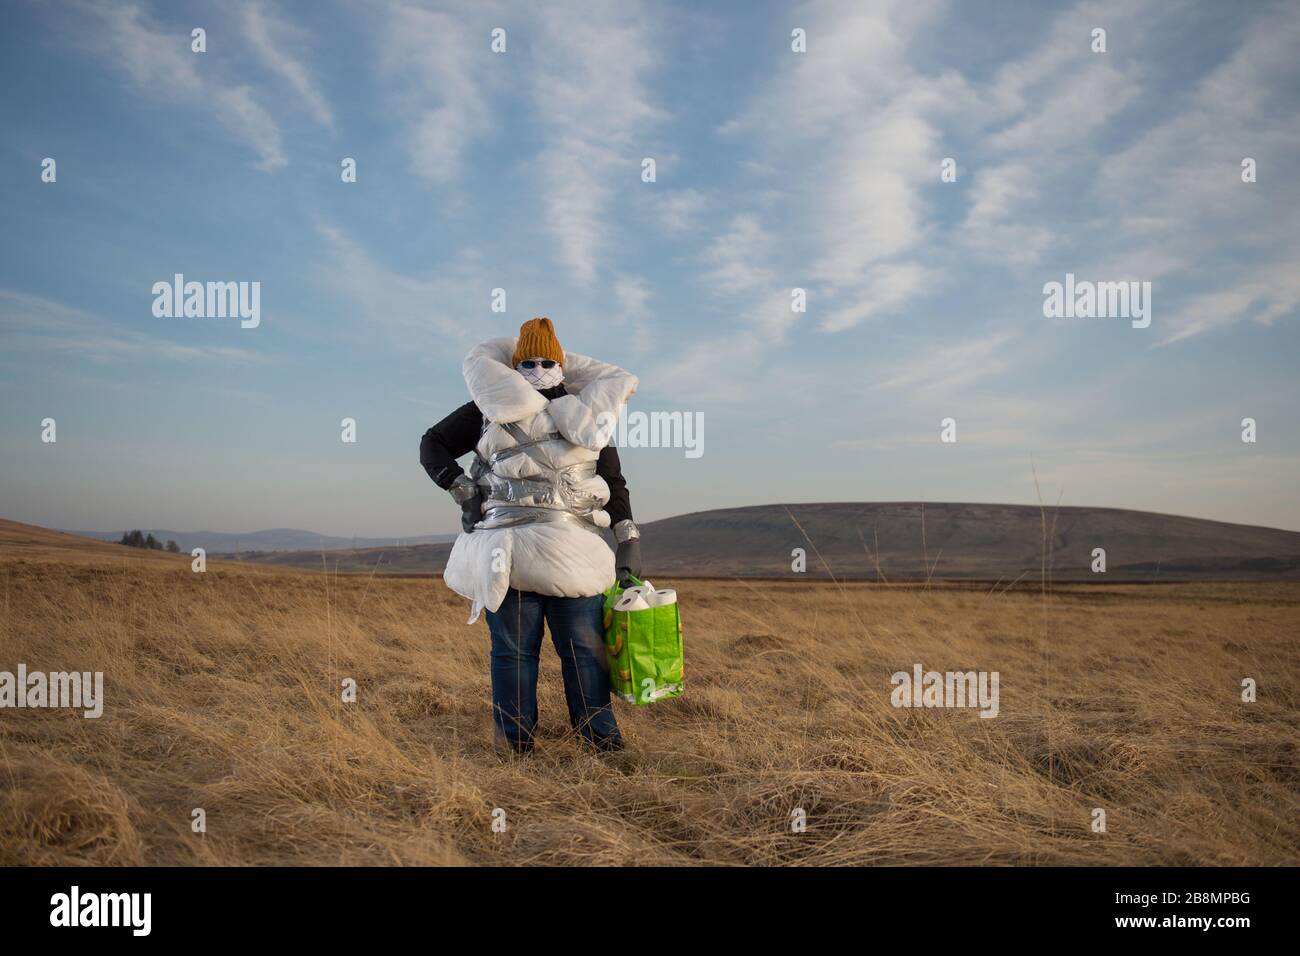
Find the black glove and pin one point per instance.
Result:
(471, 512)
(470, 498)
(627, 560)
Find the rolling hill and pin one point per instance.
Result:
(893, 540)
(270, 539)
(30, 543)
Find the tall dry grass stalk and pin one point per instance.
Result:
(223, 693)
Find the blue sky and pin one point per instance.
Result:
(775, 170)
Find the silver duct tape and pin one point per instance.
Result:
(519, 489)
(522, 446)
(556, 490)
(509, 516)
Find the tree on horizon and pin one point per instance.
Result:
(137, 539)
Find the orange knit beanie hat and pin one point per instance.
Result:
(537, 340)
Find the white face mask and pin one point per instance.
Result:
(539, 377)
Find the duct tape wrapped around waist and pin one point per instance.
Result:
(550, 494)
(510, 516)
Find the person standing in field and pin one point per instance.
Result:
(543, 484)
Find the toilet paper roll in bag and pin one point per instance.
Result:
(661, 597)
(633, 599)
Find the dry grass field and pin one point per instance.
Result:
(223, 692)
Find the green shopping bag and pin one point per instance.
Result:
(644, 647)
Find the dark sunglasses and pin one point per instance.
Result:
(544, 363)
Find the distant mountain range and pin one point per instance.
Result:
(910, 540)
(272, 539)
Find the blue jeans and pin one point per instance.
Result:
(579, 637)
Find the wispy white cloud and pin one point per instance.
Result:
(1264, 294)
(440, 73)
(738, 258)
(425, 313)
(694, 370)
(161, 64)
(241, 111)
(742, 276)
(996, 225)
(887, 288)
(679, 211)
(808, 95)
(1037, 124)
(859, 128)
(1179, 192)
(271, 39)
(950, 367)
(34, 323)
(871, 211)
(589, 68)
(632, 299)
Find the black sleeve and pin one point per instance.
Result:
(609, 468)
(455, 435)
